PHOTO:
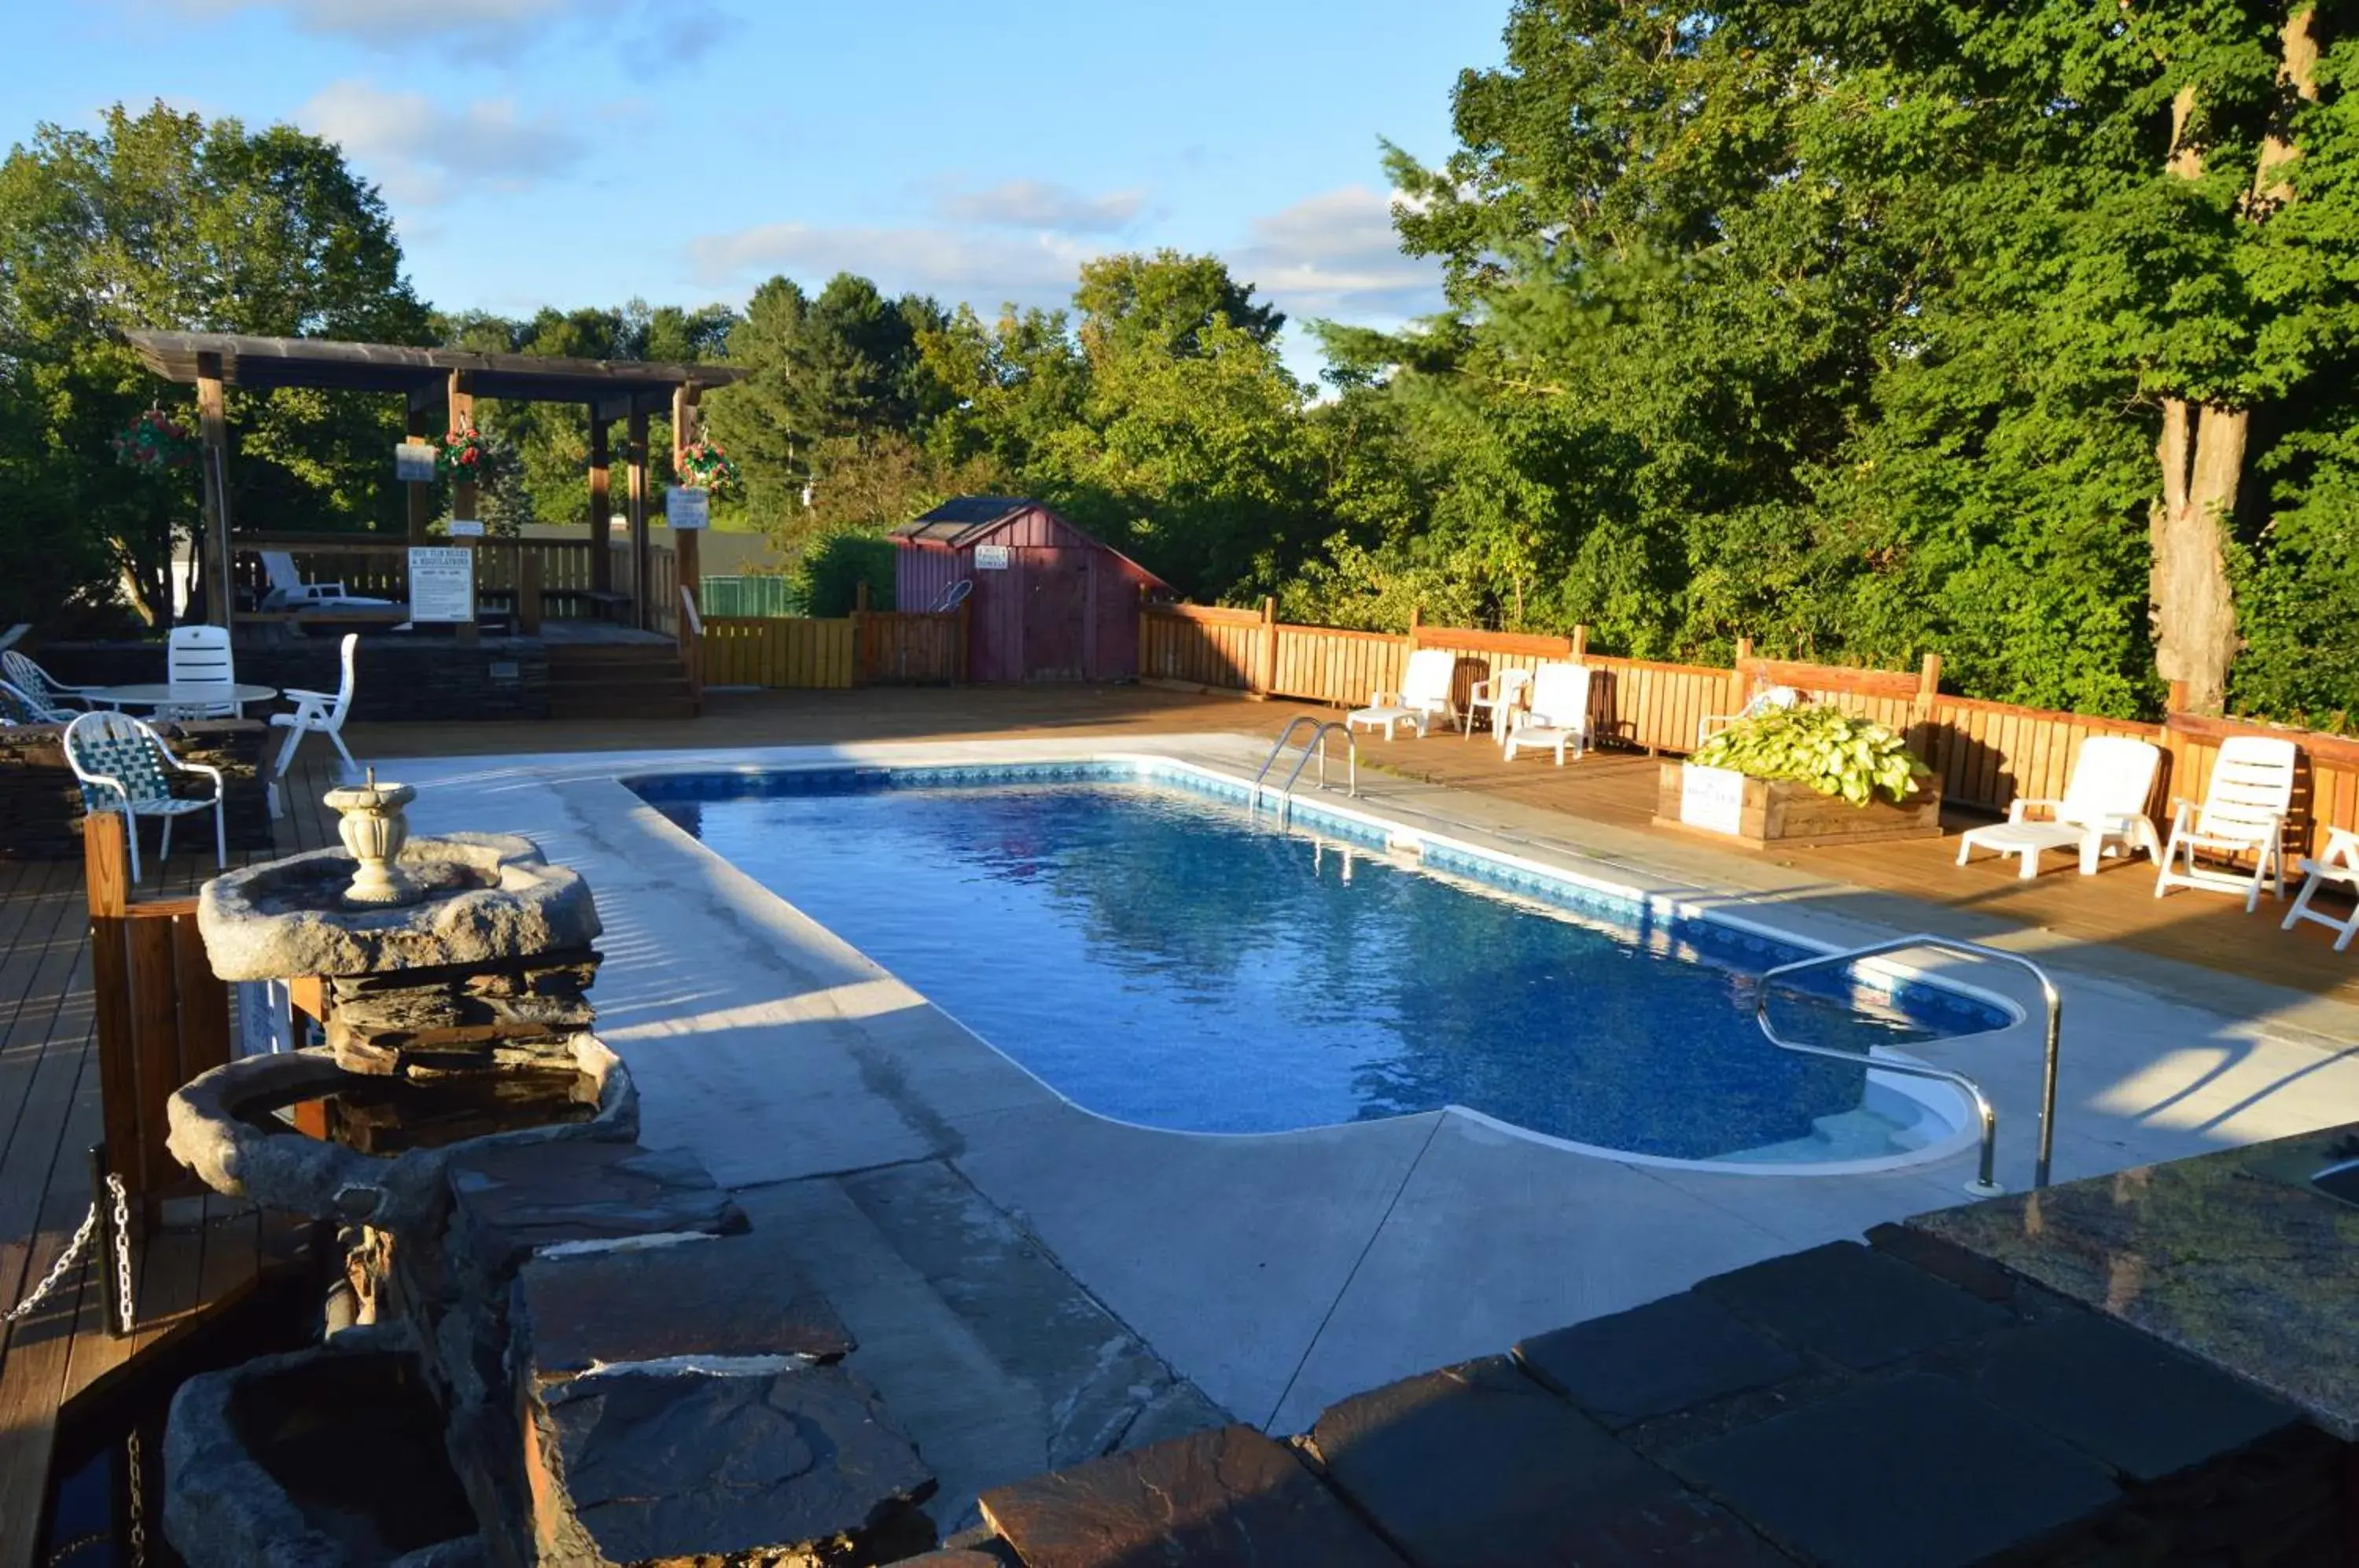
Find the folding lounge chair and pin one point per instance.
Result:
(2104, 809)
(1558, 715)
(2339, 867)
(2244, 813)
(1425, 692)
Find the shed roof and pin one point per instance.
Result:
(963, 518)
(261, 362)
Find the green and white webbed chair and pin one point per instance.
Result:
(18, 706)
(123, 766)
(41, 685)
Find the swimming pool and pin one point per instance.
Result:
(1158, 956)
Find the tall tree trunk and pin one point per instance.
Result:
(2202, 448)
(2202, 457)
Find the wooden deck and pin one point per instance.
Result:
(209, 1251)
(49, 1079)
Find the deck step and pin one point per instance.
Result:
(626, 680)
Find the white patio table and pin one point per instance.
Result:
(166, 697)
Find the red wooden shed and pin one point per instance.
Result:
(1047, 601)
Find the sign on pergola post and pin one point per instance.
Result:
(451, 380)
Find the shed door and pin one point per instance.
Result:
(1056, 614)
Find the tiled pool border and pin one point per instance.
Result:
(1667, 923)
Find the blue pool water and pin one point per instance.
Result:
(1160, 958)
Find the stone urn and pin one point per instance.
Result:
(369, 820)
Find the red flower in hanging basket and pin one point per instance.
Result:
(463, 452)
(153, 443)
(702, 463)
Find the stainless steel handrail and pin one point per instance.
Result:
(1316, 744)
(1984, 1184)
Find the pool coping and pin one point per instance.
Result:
(1942, 1101)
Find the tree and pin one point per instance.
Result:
(163, 220)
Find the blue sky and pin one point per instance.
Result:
(576, 152)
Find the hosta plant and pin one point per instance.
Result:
(1833, 751)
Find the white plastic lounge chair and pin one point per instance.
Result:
(2244, 812)
(38, 683)
(2104, 809)
(1425, 692)
(1769, 699)
(200, 656)
(2339, 867)
(123, 766)
(18, 706)
(1558, 715)
(1499, 696)
(316, 713)
(289, 591)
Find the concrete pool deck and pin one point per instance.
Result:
(938, 1181)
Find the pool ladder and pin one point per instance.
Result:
(1984, 1184)
(1316, 746)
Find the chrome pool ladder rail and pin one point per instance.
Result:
(1315, 745)
(1985, 1183)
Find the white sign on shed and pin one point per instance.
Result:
(993, 558)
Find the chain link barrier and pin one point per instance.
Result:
(73, 1254)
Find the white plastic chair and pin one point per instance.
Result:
(1558, 715)
(41, 685)
(1499, 695)
(200, 656)
(1425, 692)
(2339, 867)
(1769, 699)
(123, 766)
(2104, 809)
(2244, 812)
(316, 713)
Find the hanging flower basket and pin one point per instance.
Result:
(706, 465)
(466, 455)
(154, 444)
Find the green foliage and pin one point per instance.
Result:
(1832, 752)
(827, 580)
(165, 220)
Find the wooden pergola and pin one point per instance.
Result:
(444, 382)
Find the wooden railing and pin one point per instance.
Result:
(1988, 754)
(379, 567)
(162, 1014)
(662, 587)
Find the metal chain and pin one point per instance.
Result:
(58, 1270)
(125, 1307)
(78, 1544)
(138, 1501)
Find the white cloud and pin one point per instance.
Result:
(659, 29)
(1336, 254)
(423, 152)
(981, 268)
(1038, 204)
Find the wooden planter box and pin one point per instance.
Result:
(1764, 811)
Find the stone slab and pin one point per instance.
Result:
(650, 1467)
(1224, 1498)
(732, 1296)
(1479, 1466)
(1667, 1356)
(1858, 1308)
(1907, 1473)
(2128, 1399)
(508, 1204)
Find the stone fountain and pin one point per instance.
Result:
(617, 1376)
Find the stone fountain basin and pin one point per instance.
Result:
(489, 899)
(220, 1127)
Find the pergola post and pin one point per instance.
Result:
(464, 493)
(212, 429)
(602, 507)
(686, 544)
(636, 453)
(420, 491)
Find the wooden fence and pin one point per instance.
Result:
(910, 647)
(1986, 754)
(765, 650)
(379, 568)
